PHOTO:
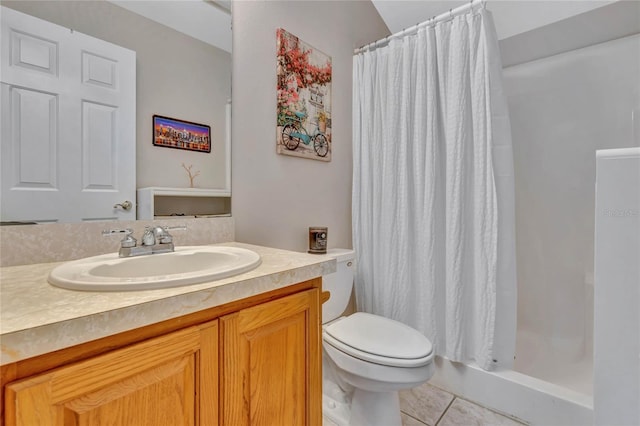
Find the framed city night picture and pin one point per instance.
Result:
(180, 134)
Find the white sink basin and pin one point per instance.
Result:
(187, 265)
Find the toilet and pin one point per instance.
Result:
(366, 358)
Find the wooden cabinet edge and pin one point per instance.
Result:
(256, 323)
(43, 363)
(315, 343)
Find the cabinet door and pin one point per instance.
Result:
(169, 380)
(271, 363)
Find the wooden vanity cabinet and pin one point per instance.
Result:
(271, 362)
(258, 365)
(150, 383)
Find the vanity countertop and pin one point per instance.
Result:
(38, 318)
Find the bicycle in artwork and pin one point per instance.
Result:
(294, 132)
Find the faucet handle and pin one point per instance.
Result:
(148, 237)
(162, 233)
(127, 241)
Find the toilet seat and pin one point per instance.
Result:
(379, 340)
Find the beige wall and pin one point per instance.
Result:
(177, 76)
(277, 197)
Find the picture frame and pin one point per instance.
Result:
(303, 121)
(180, 134)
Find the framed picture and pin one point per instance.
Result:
(180, 134)
(304, 99)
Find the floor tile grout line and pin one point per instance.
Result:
(445, 410)
(508, 416)
(414, 418)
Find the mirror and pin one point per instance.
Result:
(182, 71)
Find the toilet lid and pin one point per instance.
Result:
(380, 336)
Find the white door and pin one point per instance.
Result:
(68, 124)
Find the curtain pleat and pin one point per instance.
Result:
(425, 205)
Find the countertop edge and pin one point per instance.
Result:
(30, 342)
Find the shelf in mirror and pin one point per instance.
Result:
(166, 203)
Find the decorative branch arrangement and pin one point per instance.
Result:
(192, 175)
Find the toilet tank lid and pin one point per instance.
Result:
(342, 255)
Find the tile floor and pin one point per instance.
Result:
(431, 406)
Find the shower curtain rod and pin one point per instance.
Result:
(433, 20)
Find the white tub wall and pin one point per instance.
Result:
(534, 401)
(553, 90)
(617, 288)
(562, 109)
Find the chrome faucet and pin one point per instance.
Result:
(155, 239)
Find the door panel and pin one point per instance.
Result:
(34, 148)
(99, 146)
(33, 52)
(99, 71)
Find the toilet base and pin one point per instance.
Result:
(375, 408)
(336, 403)
(338, 412)
(364, 409)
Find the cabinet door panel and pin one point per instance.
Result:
(157, 382)
(270, 371)
(164, 395)
(278, 368)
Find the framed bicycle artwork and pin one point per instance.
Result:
(304, 99)
(180, 134)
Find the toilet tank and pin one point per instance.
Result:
(339, 284)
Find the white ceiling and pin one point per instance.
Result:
(210, 20)
(207, 21)
(511, 17)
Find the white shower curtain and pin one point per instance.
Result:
(433, 224)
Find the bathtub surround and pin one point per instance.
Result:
(563, 108)
(617, 281)
(433, 189)
(533, 400)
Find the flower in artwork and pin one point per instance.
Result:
(304, 94)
